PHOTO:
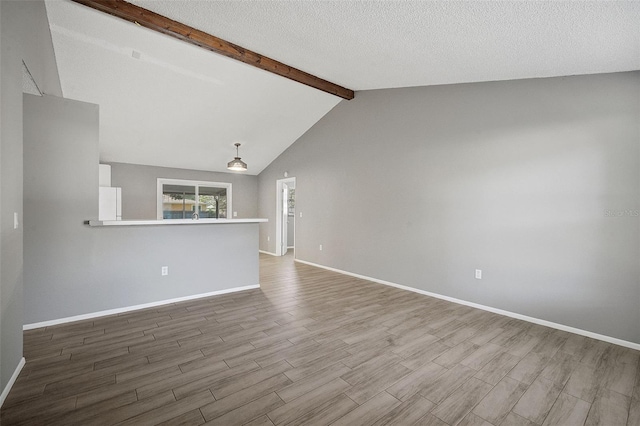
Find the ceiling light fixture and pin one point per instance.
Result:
(237, 164)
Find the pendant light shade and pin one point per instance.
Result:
(237, 164)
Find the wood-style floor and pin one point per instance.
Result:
(312, 347)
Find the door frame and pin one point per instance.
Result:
(280, 215)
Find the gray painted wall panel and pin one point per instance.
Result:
(60, 193)
(291, 231)
(138, 185)
(24, 37)
(73, 269)
(421, 186)
(2, 383)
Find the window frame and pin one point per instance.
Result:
(195, 183)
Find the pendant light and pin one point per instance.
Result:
(237, 164)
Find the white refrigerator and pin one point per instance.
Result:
(110, 203)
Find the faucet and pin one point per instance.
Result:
(195, 216)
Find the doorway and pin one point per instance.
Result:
(285, 215)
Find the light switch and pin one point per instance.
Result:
(15, 220)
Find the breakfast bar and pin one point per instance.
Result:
(132, 264)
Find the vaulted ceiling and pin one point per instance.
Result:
(165, 102)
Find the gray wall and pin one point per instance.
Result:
(60, 193)
(24, 37)
(291, 226)
(139, 188)
(73, 269)
(2, 366)
(291, 231)
(536, 182)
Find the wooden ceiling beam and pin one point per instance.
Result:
(164, 25)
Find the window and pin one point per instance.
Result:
(181, 199)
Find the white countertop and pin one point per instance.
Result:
(172, 222)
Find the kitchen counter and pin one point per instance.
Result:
(156, 222)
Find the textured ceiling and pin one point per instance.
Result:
(167, 103)
(381, 44)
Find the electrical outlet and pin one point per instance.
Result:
(478, 274)
(235, 214)
(300, 214)
(320, 247)
(268, 239)
(165, 270)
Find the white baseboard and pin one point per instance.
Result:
(12, 380)
(545, 323)
(135, 307)
(267, 252)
